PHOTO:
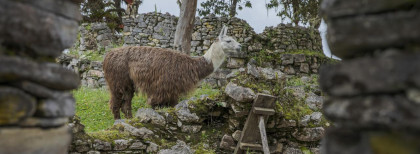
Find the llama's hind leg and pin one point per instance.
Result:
(126, 107)
(173, 102)
(152, 101)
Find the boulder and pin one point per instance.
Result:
(50, 75)
(227, 142)
(239, 93)
(15, 105)
(309, 134)
(180, 148)
(120, 144)
(149, 115)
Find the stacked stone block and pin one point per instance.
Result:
(35, 101)
(286, 37)
(374, 92)
(157, 29)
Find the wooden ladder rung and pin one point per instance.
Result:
(263, 111)
(246, 146)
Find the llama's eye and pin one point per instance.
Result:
(228, 41)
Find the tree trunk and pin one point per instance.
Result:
(232, 11)
(295, 5)
(185, 26)
(135, 7)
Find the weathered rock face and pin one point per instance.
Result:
(150, 115)
(24, 26)
(24, 140)
(227, 142)
(35, 102)
(239, 93)
(373, 93)
(180, 148)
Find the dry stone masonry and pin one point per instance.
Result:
(282, 61)
(289, 45)
(374, 93)
(35, 102)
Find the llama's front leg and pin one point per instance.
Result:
(115, 106)
(126, 107)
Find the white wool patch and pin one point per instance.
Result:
(215, 55)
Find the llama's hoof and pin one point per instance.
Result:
(119, 121)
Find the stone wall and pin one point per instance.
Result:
(282, 61)
(374, 92)
(213, 123)
(35, 102)
(156, 29)
(90, 72)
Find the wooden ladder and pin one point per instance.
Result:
(250, 139)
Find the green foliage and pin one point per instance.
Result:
(268, 56)
(292, 107)
(296, 81)
(222, 7)
(89, 26)
(205, 89)
(298, 11)
(93, 56)
(307, 53)
(305, 150)
(201, 143)
(100, 10)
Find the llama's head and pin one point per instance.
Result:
(228, 44)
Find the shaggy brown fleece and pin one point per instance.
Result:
(162, 74)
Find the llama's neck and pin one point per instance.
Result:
(215, 55)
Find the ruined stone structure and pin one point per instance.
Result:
(269, 65)
(158, 30)
(35, 102)
(374, 92)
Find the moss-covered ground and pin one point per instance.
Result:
(93, 109)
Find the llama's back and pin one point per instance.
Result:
(162, 72)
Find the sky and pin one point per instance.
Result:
(258, 16)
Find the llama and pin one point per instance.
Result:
(162, 74)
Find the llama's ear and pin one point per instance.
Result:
(225, 30)
(221, 33)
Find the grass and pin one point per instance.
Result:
(93, 109)
(89, 55)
